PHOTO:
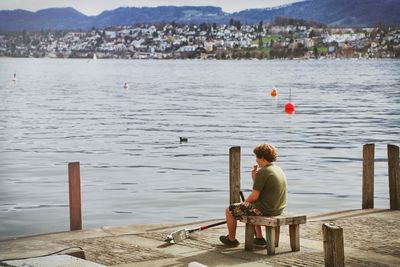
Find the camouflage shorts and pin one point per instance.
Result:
(238, 210)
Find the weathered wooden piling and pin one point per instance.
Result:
(333, 245)
(394, 176)
(234, 174)
(368, 176)
(75, 211)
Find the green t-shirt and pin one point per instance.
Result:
(271, 182)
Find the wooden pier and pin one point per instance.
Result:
(362, 237)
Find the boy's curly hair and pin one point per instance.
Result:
(266, 151)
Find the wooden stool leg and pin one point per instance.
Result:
(270, 238)
(294, 233)
(249, 236)
(277, 233)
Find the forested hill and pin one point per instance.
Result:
(331, 12)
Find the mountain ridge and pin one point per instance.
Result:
(353, 13)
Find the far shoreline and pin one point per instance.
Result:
(210, 59)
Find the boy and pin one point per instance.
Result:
(268, 197)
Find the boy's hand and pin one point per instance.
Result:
(254, 171)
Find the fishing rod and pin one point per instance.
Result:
(178, 236)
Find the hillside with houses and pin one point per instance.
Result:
(207, 41)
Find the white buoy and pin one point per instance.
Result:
(126, 86)
(15, 77)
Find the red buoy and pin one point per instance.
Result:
(274, 92)
(290, 108)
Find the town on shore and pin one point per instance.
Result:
(284, 39)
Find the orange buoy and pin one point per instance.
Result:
(290, 108)
(274, 92)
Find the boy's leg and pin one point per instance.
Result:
(258, 231)
(231, 223)
(234, 212)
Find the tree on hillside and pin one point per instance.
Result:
(204, 26)
(235, 23)
(238, 24)
(312, 34)
(260, 27)
(315, 50)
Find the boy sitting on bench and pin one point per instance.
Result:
(268, 197)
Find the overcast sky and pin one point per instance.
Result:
(95, 7)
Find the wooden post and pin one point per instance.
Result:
(249, 237)
(294, 234)
(270, 238)
(75, 213)
(333, 245)
(277, 234)
(394, 176)
(368, 176)
(234, 174)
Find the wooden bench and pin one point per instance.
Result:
(272, 229)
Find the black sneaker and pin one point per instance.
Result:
(226, 241)
(260, 241)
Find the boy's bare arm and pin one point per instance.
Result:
(252, 197)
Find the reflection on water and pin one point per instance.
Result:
(134, 168)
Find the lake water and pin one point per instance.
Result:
(134, 169)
